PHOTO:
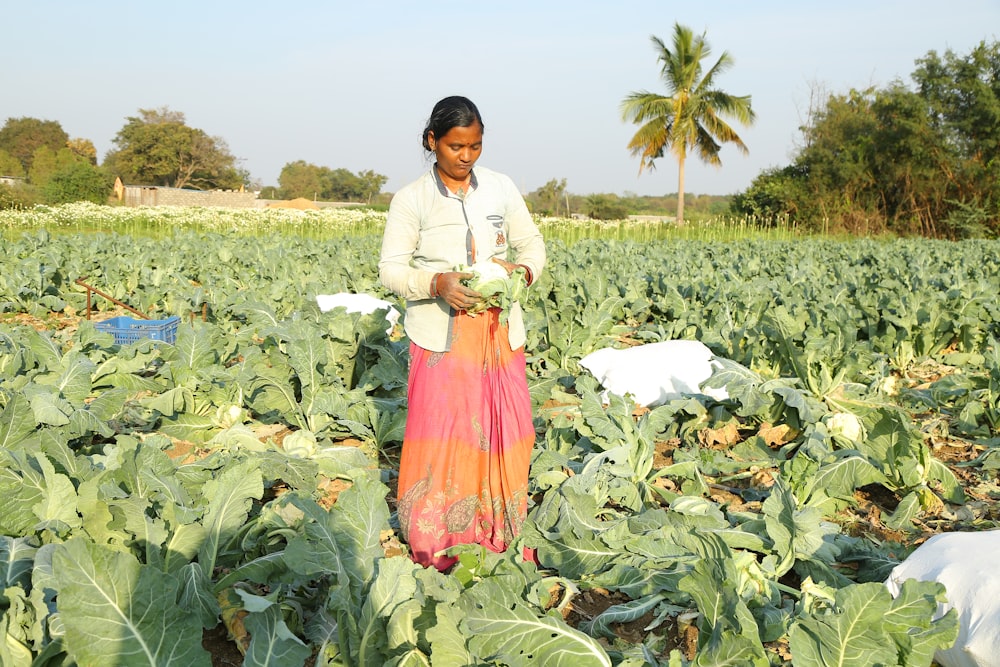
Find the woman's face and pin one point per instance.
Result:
(458, 150)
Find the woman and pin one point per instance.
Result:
(463, 474)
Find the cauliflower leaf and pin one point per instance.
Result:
(498, 289)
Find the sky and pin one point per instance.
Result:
(351, 84)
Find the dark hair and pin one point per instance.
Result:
(454, 111)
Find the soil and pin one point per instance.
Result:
(69, 319)
(222, 649)
(300, 203)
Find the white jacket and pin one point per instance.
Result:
(430, 230)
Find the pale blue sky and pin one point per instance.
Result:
(350, 84)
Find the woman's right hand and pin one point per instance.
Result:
(455, 294)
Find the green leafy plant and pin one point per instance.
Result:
(498, 289)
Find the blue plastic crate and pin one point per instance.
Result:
(128, 330)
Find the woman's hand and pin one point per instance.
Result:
(455, 294)
(505, 264)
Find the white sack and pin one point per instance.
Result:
(656, 372)
(966, 564)
(358, 303)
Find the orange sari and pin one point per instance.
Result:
(463, 474)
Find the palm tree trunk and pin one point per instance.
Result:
(680, 191)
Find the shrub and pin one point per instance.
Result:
(12, 196)
(77, 182)
(606, 207)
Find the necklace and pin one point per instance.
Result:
(463, 188)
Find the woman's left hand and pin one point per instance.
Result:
(505, 264)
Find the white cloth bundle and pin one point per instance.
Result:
(656, 372)
(358, 303)
(966, 564)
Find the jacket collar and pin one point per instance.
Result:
(443, 189)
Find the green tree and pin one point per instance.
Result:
(606, 207)
(301, 179)
(371, 184)
(550, 198)
(43, 165)
(10, 165)
(907, 163)
(84, 148)
(21, 137)
(896, 159)
(963, 96)
(690, 117)
(863, 167)
(158, 148)
(341, 185)
(45, 162)
(78, 181)
(963, 93)
(837, 156)
(769, 197)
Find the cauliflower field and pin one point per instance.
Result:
(229, 497)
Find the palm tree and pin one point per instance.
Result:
(690, 116)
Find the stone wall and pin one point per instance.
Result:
(144, 195)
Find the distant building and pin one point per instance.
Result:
(157, 195)
(11, 180)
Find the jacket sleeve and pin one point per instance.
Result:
(399, 242)
(523, 235)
